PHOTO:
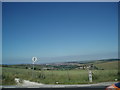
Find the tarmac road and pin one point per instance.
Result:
(28, 84)
(57, 86)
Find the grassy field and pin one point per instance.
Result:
(108, 72)
(63, 77)
(113, 65)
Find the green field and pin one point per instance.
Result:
(113, 65)
(63, 77)
(109, 73)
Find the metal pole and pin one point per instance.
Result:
(34, 59)
(33, 70)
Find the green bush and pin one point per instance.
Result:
(8, 79)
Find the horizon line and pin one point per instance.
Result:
(65, 62)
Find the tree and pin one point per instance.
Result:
(26, 67)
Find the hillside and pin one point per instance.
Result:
(111, 65)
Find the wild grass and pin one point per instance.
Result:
(60, 76)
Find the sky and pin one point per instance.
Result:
(59, 32)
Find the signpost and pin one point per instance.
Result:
(34, 59)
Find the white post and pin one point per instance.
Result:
(90, 76)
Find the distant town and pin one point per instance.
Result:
(83, 65)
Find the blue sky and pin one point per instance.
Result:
(52, 31)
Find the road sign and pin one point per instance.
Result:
(90, 76)
(34, 59)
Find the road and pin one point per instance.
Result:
(99, 85)
(29, 84)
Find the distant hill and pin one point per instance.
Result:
(109, 64)
(104, 64)
(94, 61)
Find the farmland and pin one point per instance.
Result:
(63, 76)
